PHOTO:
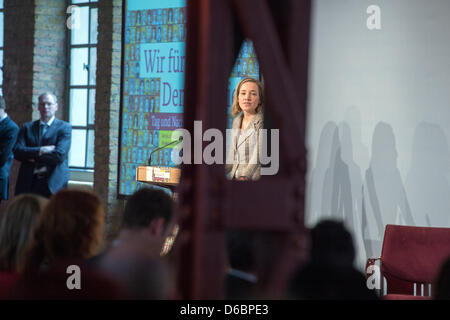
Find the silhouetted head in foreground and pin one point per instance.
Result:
(332, 245)
(330, 274)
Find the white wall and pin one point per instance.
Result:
(379, 117)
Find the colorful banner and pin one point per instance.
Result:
(153, 83)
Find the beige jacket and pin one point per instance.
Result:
(243, 152)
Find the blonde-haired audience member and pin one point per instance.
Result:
(16, 226)
(69, 231)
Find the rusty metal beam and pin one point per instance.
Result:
(209, 204)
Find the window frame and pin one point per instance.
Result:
(88, 87)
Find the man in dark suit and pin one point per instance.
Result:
(42, 147)
(8, 137)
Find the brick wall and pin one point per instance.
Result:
(18, 58)
(50, 58)
(107, 109)
(34, 54)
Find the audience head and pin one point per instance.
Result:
(150, 210)
(330, 273)
(322, 283)
(135, 260)
(236, 108)
(16, 225)
(331, 244)
(70, 227)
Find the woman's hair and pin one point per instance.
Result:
(70, 227)
(16, 225)
(235, 108)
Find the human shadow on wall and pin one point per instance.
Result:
(384, 196)
(317, 176)
(427, 182)
(354, 171)
(353, 218)
(359, 150)
(336, 194)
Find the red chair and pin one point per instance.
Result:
(410, 260)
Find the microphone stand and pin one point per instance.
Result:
(162, 147)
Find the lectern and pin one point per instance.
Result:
(166, 177)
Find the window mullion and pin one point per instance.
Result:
(86, 145)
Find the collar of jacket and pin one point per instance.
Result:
(256, 120)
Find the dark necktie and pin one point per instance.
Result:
(43, 129)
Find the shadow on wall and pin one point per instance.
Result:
(316, 185)
(337, 196)
(330, 159)
(335, 185)
(366, 204)
(427, 180)
(353, 219)
(360, 152)
(384, 196)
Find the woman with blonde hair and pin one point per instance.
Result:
(70, 228)
(68, 233)
(243, 161)
(17, 224)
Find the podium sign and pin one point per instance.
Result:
(158, 175)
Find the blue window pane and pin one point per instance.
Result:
(91, 106)
(77, 152)
(1, 29)
(78, 107)
(79, 66)
(90, 149)
(1, 67)
(80, 25)
(93, 66)
(94, 25)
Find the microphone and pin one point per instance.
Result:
(162, 147)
